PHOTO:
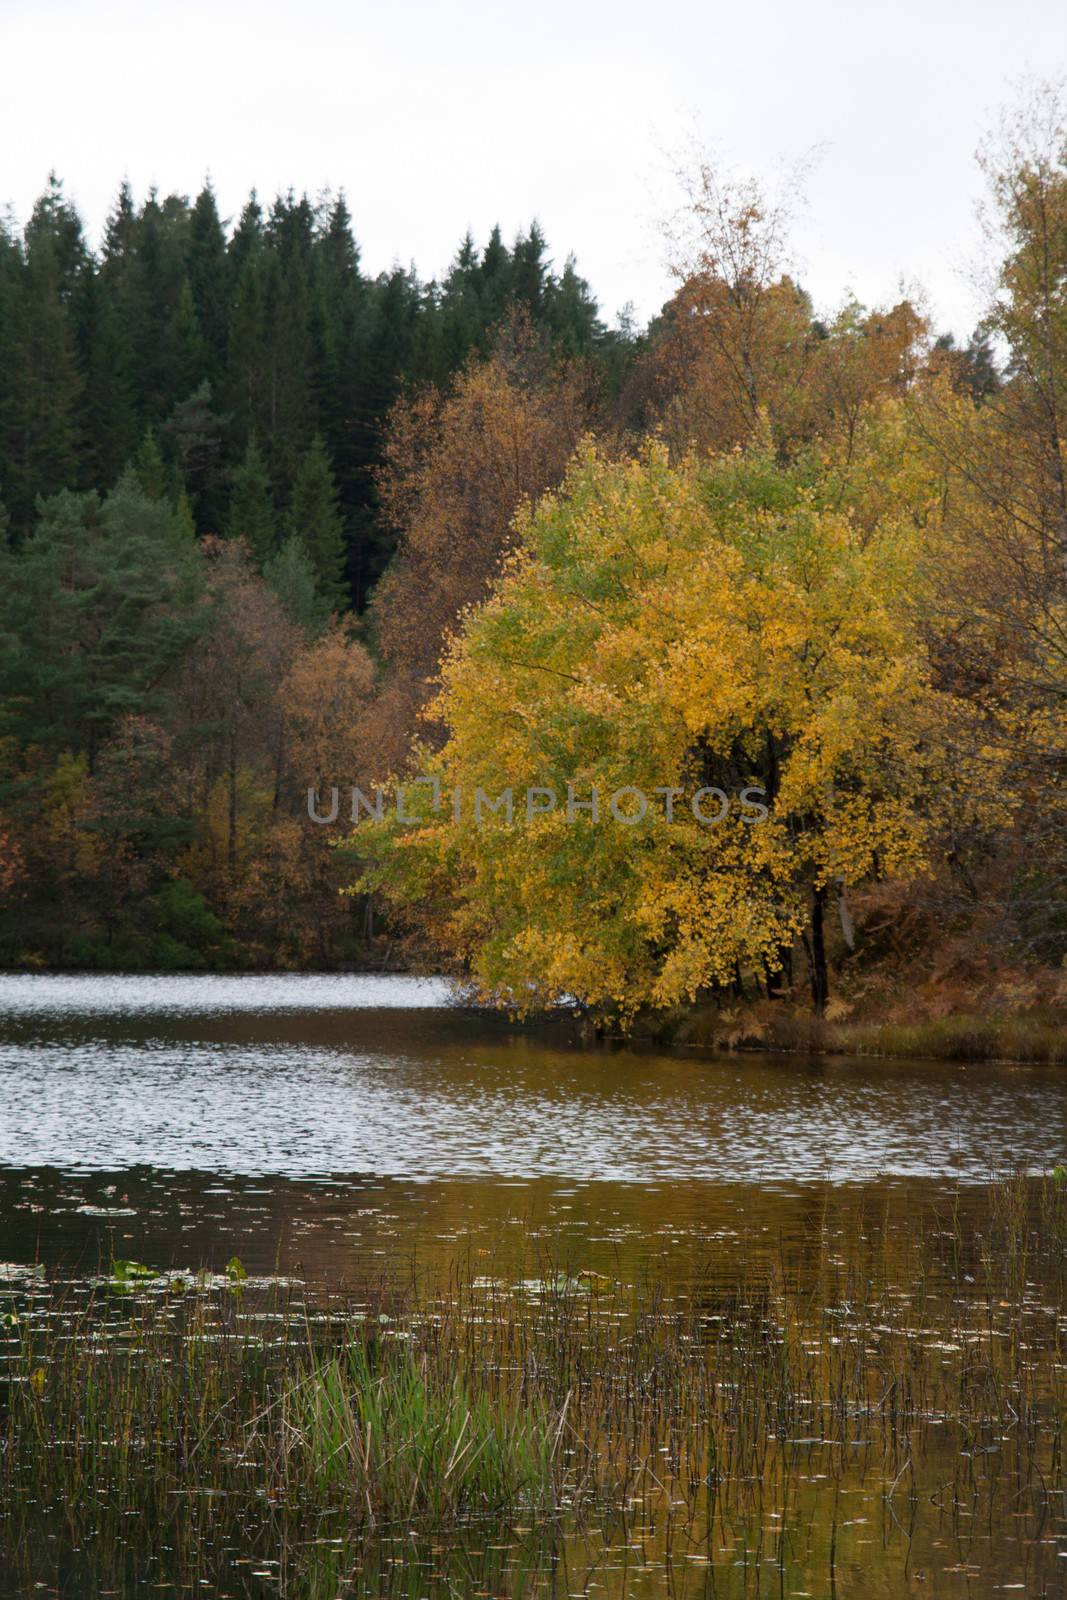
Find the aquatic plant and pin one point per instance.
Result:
(929, 1379)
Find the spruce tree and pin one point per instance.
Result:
(188, 361)
(339, 332)
(247, 384)
(251, 510)
(194, 431)
(183, 516)
(150, 467)
(315, 519)
(459, 309)
(288, 323)
(495, 279)
(530, 271)
(54, 221)
(45, 383)
(572, 314)
(148, 311)
(120, 228)
(109, 413)
(11, 271)
(207, 268)
(113, 410)
(292, 577)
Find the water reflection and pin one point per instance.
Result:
(302, 1077)
(361, 1131)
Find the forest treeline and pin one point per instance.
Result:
(273, 525)
(194, 421)
(242, 357)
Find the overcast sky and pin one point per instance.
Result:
(436, 116)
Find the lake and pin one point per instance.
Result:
(334, 1131)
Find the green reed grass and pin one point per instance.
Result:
(385, 1425)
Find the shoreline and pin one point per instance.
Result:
(1037, 1037)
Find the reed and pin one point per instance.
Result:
(716, 1408)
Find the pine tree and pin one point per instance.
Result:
(251, 510)
(207, 269)
(315, 519)
(100, 601)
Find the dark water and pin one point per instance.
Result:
(344, 1129)
(330, 1124)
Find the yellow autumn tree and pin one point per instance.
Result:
(729, 654)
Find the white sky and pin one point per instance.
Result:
(436, 116)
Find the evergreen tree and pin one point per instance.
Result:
(114, 383)
(148, 311)
(530, 271)
(158, 273)
(251, 510)
(207, 269)
(11, 273)
(42, 410)
(315, 519)
(120, 228)
(150, 467)
(195, 433)
(247, 385)
(459, 309)
(55, 222)
(183, 515)
(340, 335)
(980, 368)
(571, 313)
(290, 574)
(494, 279)
(247, 239)
(287, 419)
(99, 602)
(188, 362)
(293, 340)
(109, 411)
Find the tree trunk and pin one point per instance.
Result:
(782, 974)
(231, 842)
(820, 980)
